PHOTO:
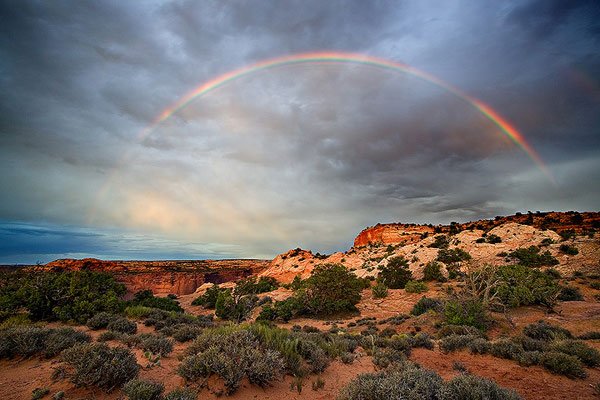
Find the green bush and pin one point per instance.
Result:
(563, 364)
(384, 357)
(470, 387)
(100, 320)
(138, 312)
(425, 304)
(330, 289)
(479, 346)
(181, 394)
(395, 274)
(185, 333)
(251, 285)
(531, 257)
(415, 287)
(24, 341)
(66, 296)
(449, 256)
(448, 330)
(592, 335)
(96, 364)
(508, 349)
(39, 393)
(137, 389)
(520, 285)
(570, 293)
(440, 242)
(493, 239)
(209, 298)
(379, 291)
(469, 312)
(146, 298)
(433, 272)
(588, 355)
(122, 325)
(568, 249)
(233, 307)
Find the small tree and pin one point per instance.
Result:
(331, 288)
(395, 274)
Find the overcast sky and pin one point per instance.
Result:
(304, 155)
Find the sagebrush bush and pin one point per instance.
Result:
(563, 364)
(470, 387)
(100, 320)
(109, 335)
(542, 330)
(156, 344)
(384, 357)
(588, 355)
(409, 383)
(456, 342)
(63, 338)
(425, 304)
(448, 330)
(449, 256)
(314, 355)
(505, 348)
(185, 333)
(479, 346)
(415, 287)
(592, 335)
(181, 394)
(422, 340)
(138, 312)
(24, 341)
(122, 325)
(96, 364)
(138, 389)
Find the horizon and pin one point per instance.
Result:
(153, 131)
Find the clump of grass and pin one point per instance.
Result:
(138, 389)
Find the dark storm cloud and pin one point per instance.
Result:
(296, 156)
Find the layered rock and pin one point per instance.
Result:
(165, 277)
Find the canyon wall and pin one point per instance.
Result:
(164, 277)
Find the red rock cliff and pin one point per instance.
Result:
(165, 277)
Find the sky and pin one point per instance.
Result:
(302, 155)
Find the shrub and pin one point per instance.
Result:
(100, 320)
(493, 239)
(469, 312)
(109, 335)
(122, 325)
(432, 272)
(568, 249)
(184, 333)
(531, 257)
(98, 365)
(155, 344)
(448, 330)
(592, 335)
(138, 312)
(395, 274)
(570, 293)
(63, 338)
(520, 285)
(588, 355)
(563, 364)
(314, 355)
(38, 393)
(457, 342)
(253, 286)
(209, 298)
(505, 348)
(425, 304)
(408, 383)
(330, 289)
(544, 331)
(415, 287)
(181, 394)
(448, 256)
(470, 387)
(379, 291)
(479, 346)
(384, 357)
(147, 299)
(137, 389)
(440, 242)
(233, 307)
(567, 234)
(24, 341)
(422, 340)
(66, 296)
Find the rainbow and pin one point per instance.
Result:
(505, 126)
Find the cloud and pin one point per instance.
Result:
(301, 155)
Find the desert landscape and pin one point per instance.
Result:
(504, 308)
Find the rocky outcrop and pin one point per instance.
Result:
(165, 277)
(393, 234)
